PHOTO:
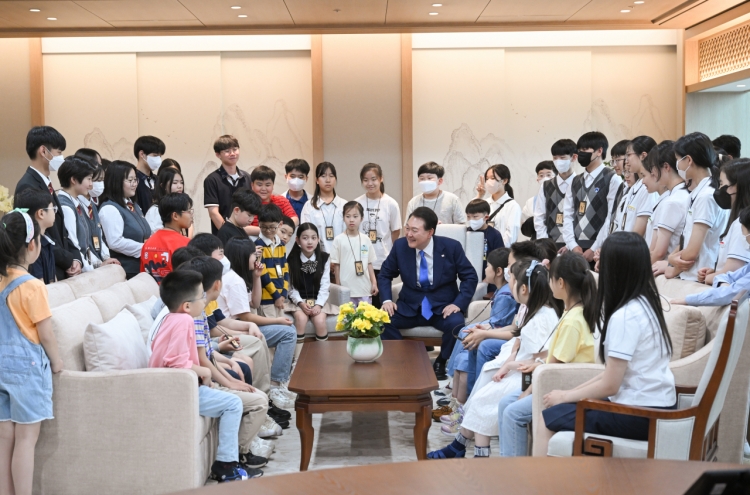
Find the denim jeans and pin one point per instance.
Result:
(284, 339)
(486, 351)
(513, 417)
(227, 407)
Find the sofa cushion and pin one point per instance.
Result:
(69, 323)
(59, 293)
(111, 301)
(561, 445)
(143, 286)
(422, 332)
(687, 329)
(676, 288)
(94, 281)
(142, 313)
(115, 345)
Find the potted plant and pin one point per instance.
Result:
(6, 201)
(363, 326)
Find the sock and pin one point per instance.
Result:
(322, 339)
(481, 451)
(461, 439)
(301, 339)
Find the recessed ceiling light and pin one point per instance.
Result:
(437, 4)
(639, 2)
(740, 85)
(235, 7)
(625, 11)
(433, 13)
(34, 10)
(51, 18)
(242, 15)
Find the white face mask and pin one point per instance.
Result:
(97, 190)
(682, 173)
(55, 162)
(476, 224)
(506, 274)
(562, 166)
(227, 265)
(154, 162)
(492, 186)
(427, 186)
(295, 184)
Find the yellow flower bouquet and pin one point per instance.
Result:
(363, 322)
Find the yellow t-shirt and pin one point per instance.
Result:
(27, 303)
(573, 341)
(211, 307)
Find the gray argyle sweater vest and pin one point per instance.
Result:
(588, 221)
(553, 204)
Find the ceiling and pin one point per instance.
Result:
(59, 17)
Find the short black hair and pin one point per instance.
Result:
(731, 144)
(428, 216)
(173, 203)
(527, 249)
(43, 135)
(297, 164)
(246, 200)
(478, 206)
(225, 142)
(206, 243)
(33, 200)
(498, 258)
(211, 269)
(431, 168)
(593, 140)
(183, 255)
(548, 246)
(90, 155)
(285, 220)
(178, 287)
(545, 165)
(353, 205)
(171, 163)
(149, 144)
(270, 213)
(262, 173)
(114, 180)
(75, 168)
(620, 148)
(564, 147)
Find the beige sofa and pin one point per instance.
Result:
(128, 432)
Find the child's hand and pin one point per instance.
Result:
(283, 321)
(554, 398)
(315, 310)
(57, 366)
(226, 344)
(305, 308)
(472, 339)
(500, 373)
(374, 290)
(703, 273)
(258, 269)
(528, 367)
(279, 303)
(111, 261)
(659, 267)
(254, 331)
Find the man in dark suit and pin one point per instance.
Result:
(45, 145)
(429, 266)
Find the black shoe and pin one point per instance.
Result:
(252, 472)
(444, 401)
(278, 412)
(281, 422)
(228, 471)
(250, 461)
(430, 348)
(439, 367)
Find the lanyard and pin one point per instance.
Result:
(557, 326)
(352, 247)
(634, 193)
(325, 220)
(436, 201)
(377, 210)
(698, 190)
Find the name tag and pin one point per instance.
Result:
(96, 242)
(559, 219)
(329, 233)
(582, 208)
(631, 207)
(310, 302)
(279, 271)
(373, 235)
(624, 219)
(359, 267)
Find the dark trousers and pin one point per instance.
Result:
(376, 298)
(449, 326)
(245, 371)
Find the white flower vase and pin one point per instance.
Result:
(364, 350)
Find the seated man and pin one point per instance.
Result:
(428, 266)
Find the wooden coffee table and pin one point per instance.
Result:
(326, 379)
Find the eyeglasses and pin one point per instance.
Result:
(200, 298)
(269, 227)
(53, 208)
(191, 211)
(132, 181)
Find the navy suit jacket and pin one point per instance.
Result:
(449, 263)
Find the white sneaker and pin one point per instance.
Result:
(285, 388)
(263, 448)
(280, 399)
(269, 428)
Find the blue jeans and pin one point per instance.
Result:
(513, 417)
(228, 408)
(486, 351)
(284, 339)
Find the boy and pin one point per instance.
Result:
(550, 201)
(731, 144)
(545, 170)
(297, 171)
(618, 164)
(477, 212)
(221, 184)
(262, 179)
(40, 207)
(45, 145)
(275, 278)
(445, 204)
(286, 230)
(176, 211)
(148, 150)
(590, 198)
(174, 346)
(245, 205)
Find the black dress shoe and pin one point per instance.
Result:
(439, 367)
(430, 348)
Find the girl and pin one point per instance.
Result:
(324, 208)
(505, 211)
(170, 163)
(733, 195)
(382, 218)
(169, 180)
(705, 220)
(310, 277)
(651, 183)
(636, 348)
(572, 342)
(123, 223)
(638, 202)
(530, 286)
(353, 257)
(27, 337)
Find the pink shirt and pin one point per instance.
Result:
(174, 343)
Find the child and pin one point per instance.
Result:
(651, 183)
(549, 205)
(26, 334)
(39, 206)
(286, 230)
(310, 270)
(324, 209)
(174, 346)
(296, 174)
(92, 195)
(506, 212)
(731, 144)
(635, 348)
(221, 184)
(477, 213)
(445, 204)
(352, 259)
(618, 165)
(148, 151)
(176, 212)
(169, 180)
(245, 206)
(262, 179)
(90, 204)
(638, 202)
(545, 170)
(275, 278)
(531, 287)
(572, 342)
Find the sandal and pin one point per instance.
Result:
(447, 452)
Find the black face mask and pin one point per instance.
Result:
(584, 158)
(723, 198)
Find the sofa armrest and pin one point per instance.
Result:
(479, 311)
(688, 370)
(480, 292)
(550, 377)
(339, 295)
(396, 290)
(121, 432)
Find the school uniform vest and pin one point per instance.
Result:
(554, 200)
(136, 228)
(588, 223)
(95, 228)
(82, 225)
(310, 287)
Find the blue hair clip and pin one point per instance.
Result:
(529, 271)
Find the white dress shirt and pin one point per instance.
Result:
(46, 180)
(540, 206)
(326, 215)
(112, 226)
(325, 283)
(508, 220)
(429, 258)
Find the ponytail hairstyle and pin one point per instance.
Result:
(501, 172)
(322, 168)
(579, 281)
(624, 275)
(738, 174)
(534, 275)
(295, 257)
(238, 251)
(17, 226)
(660, 155)
(641, 145)
(699, 147)
(373, 167)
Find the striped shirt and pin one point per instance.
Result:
(275, 278)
